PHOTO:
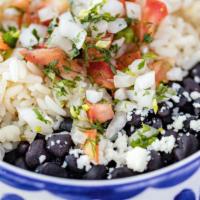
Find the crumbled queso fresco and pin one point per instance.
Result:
(98, 89)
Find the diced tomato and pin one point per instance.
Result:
(3, 45)
(125, 60)
(43, 57)
(154, 11)
(101, 74)
(100, 112)
(91, 147)
(21, 4)
(161, 68)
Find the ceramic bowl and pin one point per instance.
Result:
(179, 181)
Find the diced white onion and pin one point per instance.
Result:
(47, 13)
(57, 40)
(54, 106)
(29, 116)
(134, 67)
(114, 7)
(94, 96)
(133, 10)
(146, 81)
(122, 80)
(116, 26)
(120, 94)
(117, 124)
(68, 28)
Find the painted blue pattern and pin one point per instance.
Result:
(186, 194)
(118, 191)
(11, 197)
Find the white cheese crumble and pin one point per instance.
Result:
(195, 95)
(165, 144)
(42, 158)
(195, 125)
(137, 159)
(83, 161)
(178, 122)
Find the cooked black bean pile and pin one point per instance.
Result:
(47, 156)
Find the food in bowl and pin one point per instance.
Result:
(99, 89)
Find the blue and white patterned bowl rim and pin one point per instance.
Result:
(143, 179)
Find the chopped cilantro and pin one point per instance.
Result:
(99, 127)
(51, 71)
(163, 91)
(40, 116)
(141, 65)
(74, 52)
(11, 36)
(155, 105)
(61, 87)
(148, 38)
(52, 25)
(93, 15)
(149, 56)
(128, 34)
(35, 33)
(75, 112)
(142, 140)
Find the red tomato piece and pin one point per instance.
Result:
(100, 112)
(3, 45)
(161, 68)
(101, 74)
(91, 147)
(125, 60)
(43, 57)
(154, 11)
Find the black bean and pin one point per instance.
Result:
(188, 108)
(71, 162)
(167, 158)
(11, 156)
(155, 122)
(155, 162)
(97, 172)
(186, 123)
(22, 148)
(59, 144)
(52, 169)
(182, 102)
(35, 150)
(121, 172)
(40, 136)
(164, 110)
(187, 145)
(129, 129)
(66, 124)
(191, 85)
(196, 70)
(171, 132)
(136, 120)
(20, 162)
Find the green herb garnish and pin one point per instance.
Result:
(11, 36)
(40, 116)
(163, 91)
(142, 140)
(148, 38)
(51, 70)
(35, 33)
(52, 25)
(141, 65)
(128, 34)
